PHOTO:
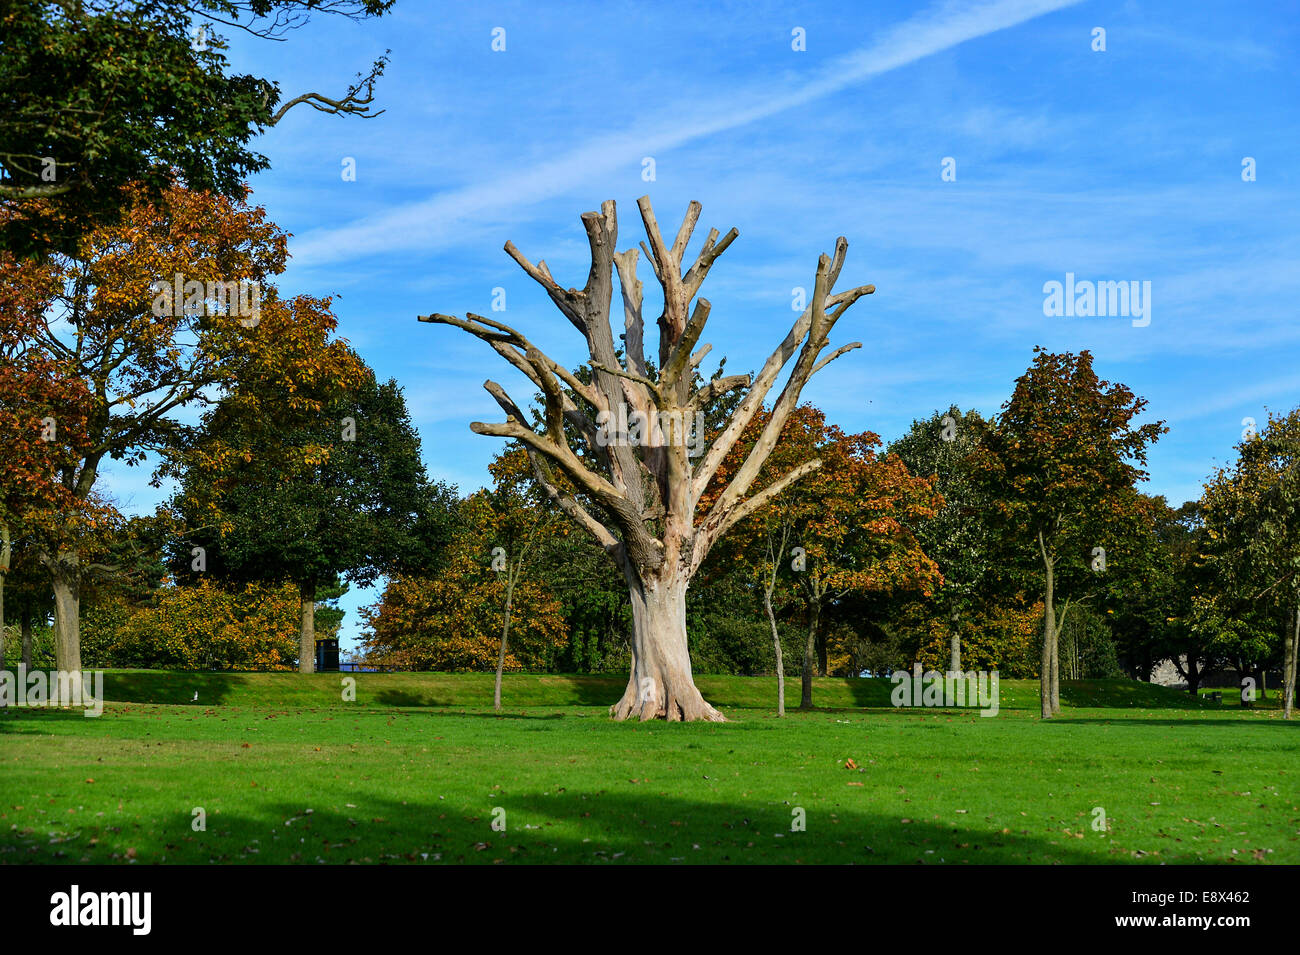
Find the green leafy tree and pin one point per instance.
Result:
(96, 94)
(956, 538)
(339, 493)
(1252, 516)
(1061, 463)
(849, 519)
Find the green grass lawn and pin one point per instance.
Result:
(415, 768)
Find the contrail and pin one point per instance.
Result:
(433, 221)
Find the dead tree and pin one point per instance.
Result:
(637, 491)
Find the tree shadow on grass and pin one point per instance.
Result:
(29, 719)
(590, 827)
(174, 687)
(588, 690)
(1276, 725)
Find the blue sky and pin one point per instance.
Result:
(1117, 165)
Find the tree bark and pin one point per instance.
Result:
(1289, 665)
(809, 657)
(658, 557)
(954, 644)
(660, 684)
(66, 584)
(821, 654)
(1049, 636)
(27, 638)
(307, 632)
(505, 637)
(6, 553)
(776, 645)
(1056, 666)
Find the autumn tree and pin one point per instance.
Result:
(641, 502)
(109, 317)
(518, 525)
(1061, 463)
(96, 94)
(33, 503)
(452, 619)
(956, 536)
(44, 415)
(1252, 516)
(843, 529)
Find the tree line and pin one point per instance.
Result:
(779, 542)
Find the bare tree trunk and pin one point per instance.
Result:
(809, 657)
(954, 644)
(27, 638)
(1289, 666)
(505, 637)
(67, 618)
(307, 632)
(660, 684)
(776, 644)
(775, 554)
(1056, 668)
(1049, 636)
(6, 554)
(658, 558)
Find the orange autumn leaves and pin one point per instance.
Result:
(453, 621)
(852, 516)
(199, 627)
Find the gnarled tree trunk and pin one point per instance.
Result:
(645, 499)
(660, 684)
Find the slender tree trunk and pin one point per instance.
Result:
(1263, 682)
(821, 654)
(776, 645)
(660, 683)
(1056, 668)
(1193, 675)
(27, 638)
(1049, 638)
(809, 657)
(307, 632)
(505, 637)
(6, 554)
(954, 644)
(1289, 666)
